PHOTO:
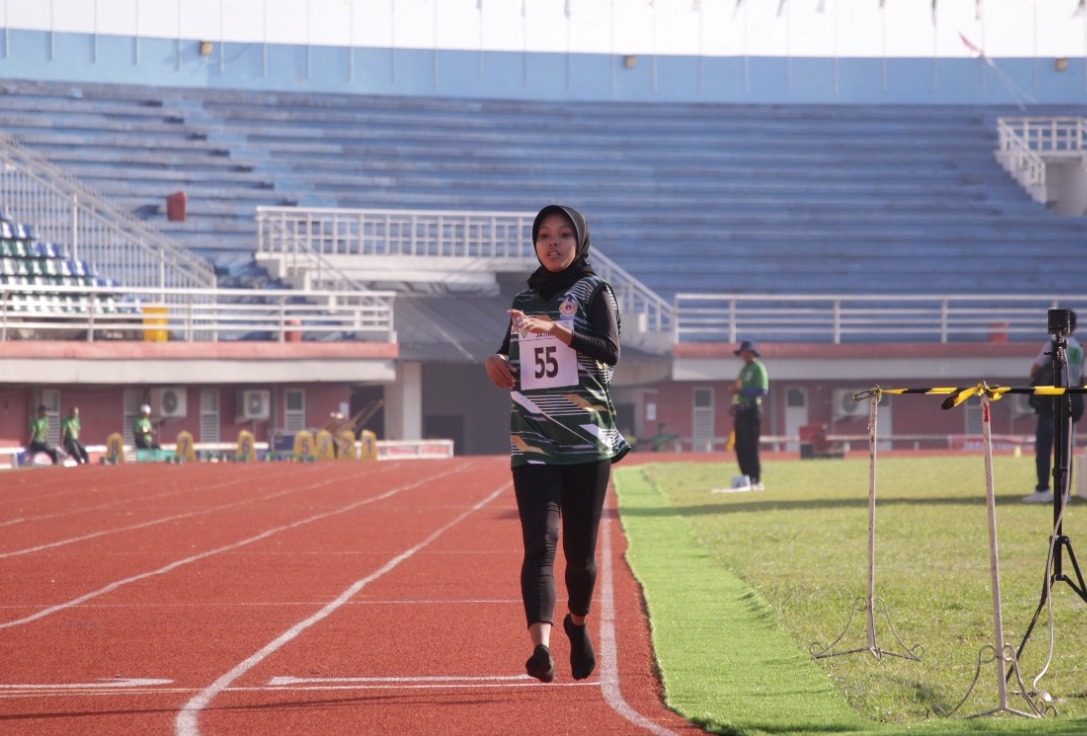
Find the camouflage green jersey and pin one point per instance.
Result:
(562, 413)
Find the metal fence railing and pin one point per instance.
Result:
(193, 315)
(1025, 142)
(1059, 134)
(61, 210)
(840, 319)
(305, 239)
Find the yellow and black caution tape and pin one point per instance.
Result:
(958, 394)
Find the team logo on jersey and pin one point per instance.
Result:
(568, 308)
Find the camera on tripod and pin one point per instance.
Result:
(1060, 322)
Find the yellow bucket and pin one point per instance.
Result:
(154, 316)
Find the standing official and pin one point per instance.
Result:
(1041, 374)
(750, 388)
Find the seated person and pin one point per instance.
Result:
(39, 432)
(663, 439)
(143, 431)
(823, 446)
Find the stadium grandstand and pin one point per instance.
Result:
(258, 232)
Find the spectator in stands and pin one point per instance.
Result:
(747, 394)
(1041, 374)
(143, 431)
(69, 436)
(556, 360)
(663, 439)
(39, 433)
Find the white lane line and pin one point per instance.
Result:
(430, 679)
(105, 684)
(524, 681)
(187, 721)
(242, 605)
(219, 550)
(141, 688)
(161, 520)
(142, 500)
(609, 660)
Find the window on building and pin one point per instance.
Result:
(50, 399)
(703, 420)
(133, 397)
(796, 398)
(209, 415)
(294, 410)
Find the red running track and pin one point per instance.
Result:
(329, 598)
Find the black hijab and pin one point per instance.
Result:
(548, 283)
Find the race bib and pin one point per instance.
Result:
(546, 361)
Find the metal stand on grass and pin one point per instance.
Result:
(1059, 543)
(870, 605)
(1003, 655)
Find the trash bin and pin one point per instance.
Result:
(154, 315)
(293, 335)
(176, 205)
(998, 332)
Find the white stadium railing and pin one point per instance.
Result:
(158, 315)
(836, 319)
(64, 211)
(1024, 144)
(331, 245)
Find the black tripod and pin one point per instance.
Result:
(1060, 328)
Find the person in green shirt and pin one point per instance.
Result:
(747, 394)
(143, 431)
(69, 436)
(663, 439)
(39, 433)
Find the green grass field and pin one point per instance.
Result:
(739, 586)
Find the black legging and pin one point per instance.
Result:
(543, 493)
(748, 428)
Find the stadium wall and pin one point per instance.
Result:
(96, 58)
(103, 410)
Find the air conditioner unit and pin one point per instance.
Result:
(168, 402)
(254, 404)
(845, 407)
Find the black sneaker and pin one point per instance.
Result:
(582, 657)
(540, 665)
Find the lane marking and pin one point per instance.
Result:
(162, 520)
(524, 681)
(218, 605)
(122, 502)
(281, 681)
(609, 659)
(219, 550)
(104, 684)
(157, 687)
(286, 682)
(187, 721)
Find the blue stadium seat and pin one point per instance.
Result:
(686, 197)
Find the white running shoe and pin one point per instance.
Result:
(758, 486)
(1045, 496)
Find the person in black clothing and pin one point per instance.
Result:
(561, 344)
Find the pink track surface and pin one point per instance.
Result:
(329, 598)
